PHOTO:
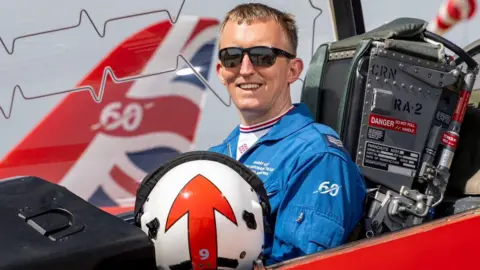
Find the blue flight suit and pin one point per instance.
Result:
(315, 190)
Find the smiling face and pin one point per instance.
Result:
(260, 93)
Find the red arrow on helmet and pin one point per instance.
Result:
(200, 198)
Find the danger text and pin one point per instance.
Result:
(393, 124)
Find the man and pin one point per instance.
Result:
(315, 190)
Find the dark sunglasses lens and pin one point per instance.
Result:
(262, 57)
(231, 57)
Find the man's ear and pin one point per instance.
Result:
(295, 70)
(220, 72)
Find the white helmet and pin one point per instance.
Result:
(203, 210)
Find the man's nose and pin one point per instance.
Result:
(247, 66)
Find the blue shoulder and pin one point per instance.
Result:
(323, 139)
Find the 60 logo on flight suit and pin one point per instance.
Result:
(325, 188)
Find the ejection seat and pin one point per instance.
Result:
(336, 79)
(393, 92)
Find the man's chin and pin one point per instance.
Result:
(250, 106)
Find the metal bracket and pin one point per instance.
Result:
(380, 51)
(427, 173)
(430, 76)
(397, 211)
(419, 204)
(341, 55)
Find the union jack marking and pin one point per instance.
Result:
(243, 148)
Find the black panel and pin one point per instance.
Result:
(45, 226)
(332, 89)
(348, 18)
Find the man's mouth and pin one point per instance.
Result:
(249, 86)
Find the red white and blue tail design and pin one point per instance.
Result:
(101, 150)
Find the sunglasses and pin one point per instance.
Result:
(261, 56)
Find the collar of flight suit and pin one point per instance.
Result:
(291, 122)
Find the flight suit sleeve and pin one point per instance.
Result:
(323, 203)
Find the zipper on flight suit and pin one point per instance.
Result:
(229, 150)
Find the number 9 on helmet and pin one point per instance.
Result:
(203, 210)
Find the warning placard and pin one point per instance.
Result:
(391, 159)
(392, 123)
(376, 134)
(450, 139)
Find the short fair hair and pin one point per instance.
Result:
(247, 13)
